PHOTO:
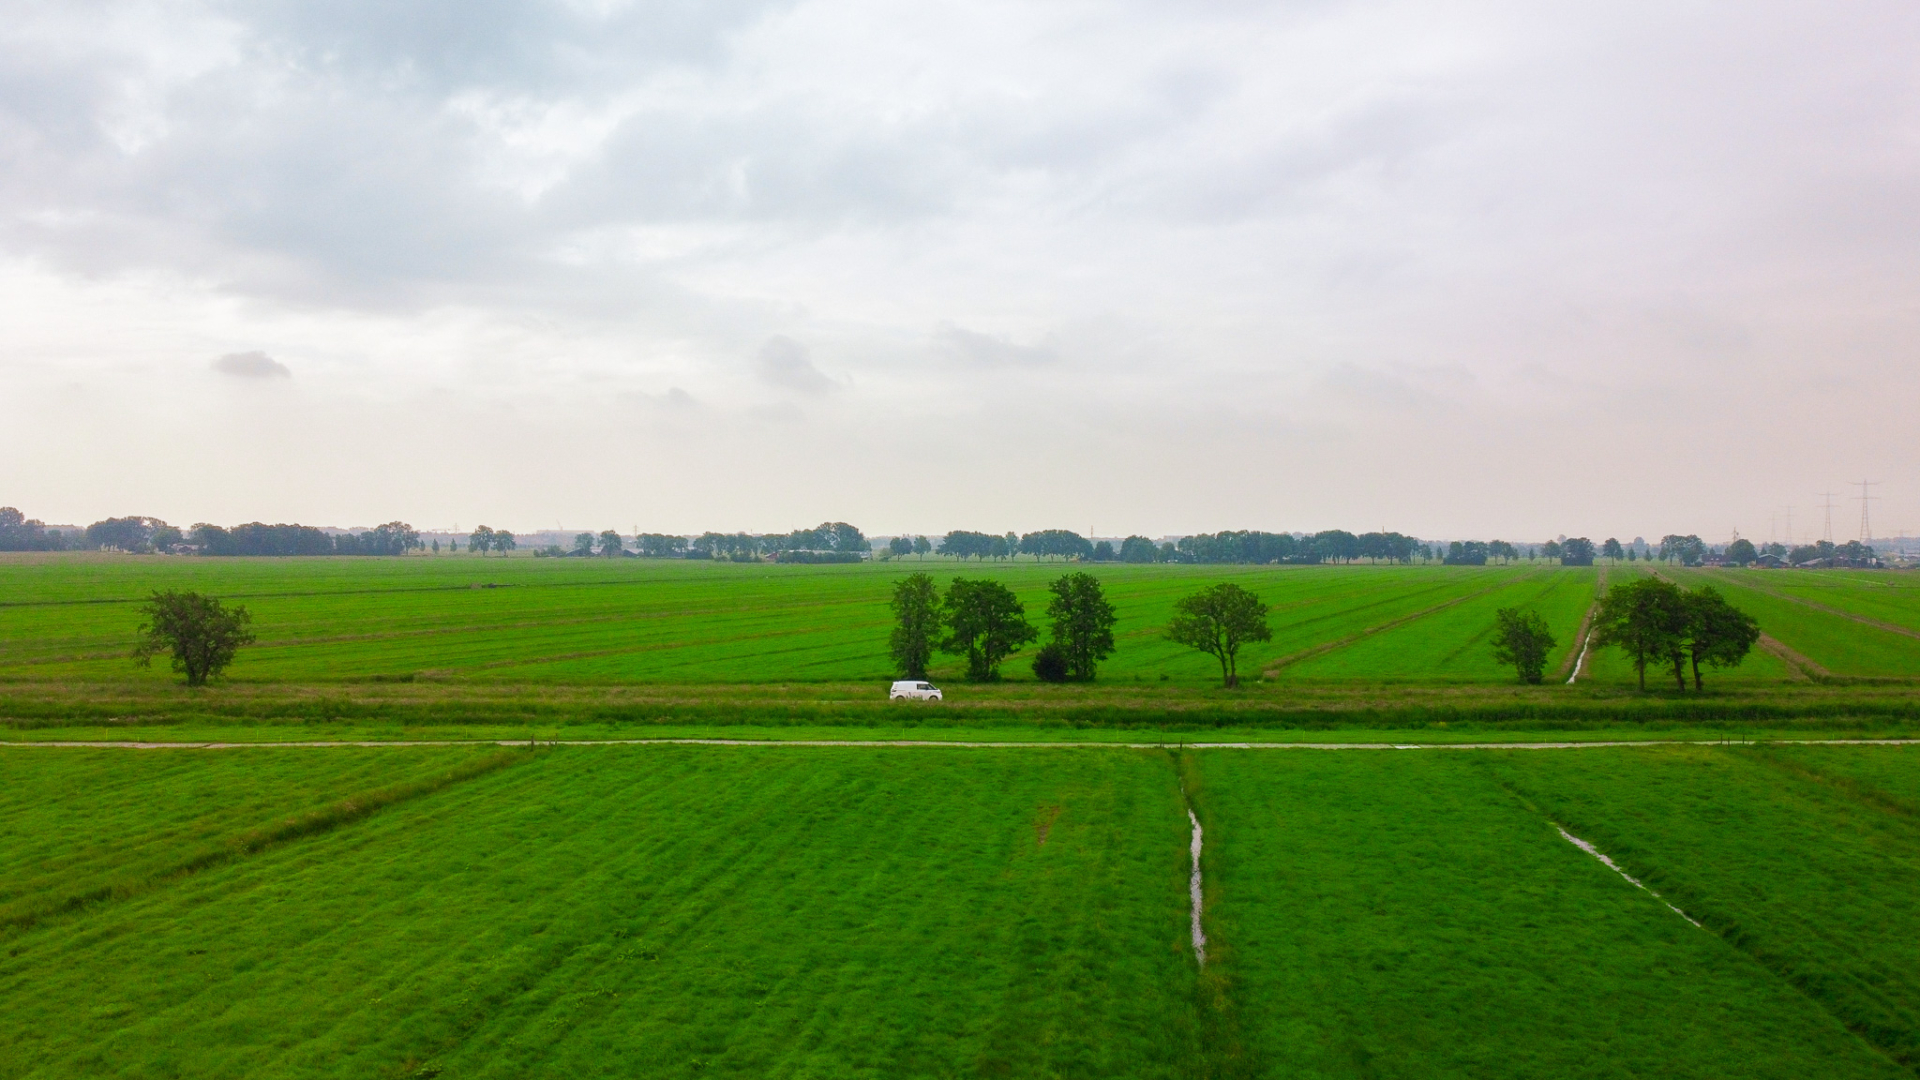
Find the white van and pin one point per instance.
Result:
(914, 689)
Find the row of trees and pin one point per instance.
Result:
(1332, 545)
(983, 621)
(1243, 546)
(837, 541)
(254, 538)
(149, 534)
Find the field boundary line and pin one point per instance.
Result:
(1326, 647)
(368, 744)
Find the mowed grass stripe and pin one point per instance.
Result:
(1888, 607)
(1403, 915)
(1843, 645)
(1820, 886)
(1454, 642)
(87, 826)
(685, 912)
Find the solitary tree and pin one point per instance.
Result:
(1521, 638)
(481, 540)
(610, 544)
(900, 545)
(1741, 552)
(1648, 620)
(916, 624)
(1611, 549)
(986, 623)
(200, 632)
(921, 546)
(1082, 624)
(583, 544)
(1217, 621)
(503, 542)
(1718, 634)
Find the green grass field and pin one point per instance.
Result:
(526, 621)
(490, 644)
(823, 911)
(560, 620)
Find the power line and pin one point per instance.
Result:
(1866, 496)
(1827, 505)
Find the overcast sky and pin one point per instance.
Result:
(1456, 269)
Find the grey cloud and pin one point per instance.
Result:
(784, 363)
(985, 350)
(252, 365)
(448, 44)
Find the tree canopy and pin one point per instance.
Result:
(1718, 634)
(916, 625)
(1082, 623)
(1219, 620)
(202, 634)
(1647, 619)
(985, 623)
(1056, 543)
(1686, 550)
(1521, 638)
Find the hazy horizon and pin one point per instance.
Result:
(1473, 270)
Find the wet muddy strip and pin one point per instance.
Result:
(1194, 892)
(1615, 867)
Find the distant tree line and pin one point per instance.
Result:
(143, 535)
(254, 538)
(829, 541)
(21, 533)
(1242, 546)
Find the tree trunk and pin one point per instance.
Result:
(1694, 654)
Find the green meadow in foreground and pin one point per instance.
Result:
(668, 912)
(1403, 915)
(833, 911)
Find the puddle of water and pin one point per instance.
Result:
(1193, 893)
(1615, 867)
